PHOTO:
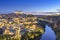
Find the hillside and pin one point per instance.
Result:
(19, 26)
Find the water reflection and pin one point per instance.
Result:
(49, 34)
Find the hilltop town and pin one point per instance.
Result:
(19, 26)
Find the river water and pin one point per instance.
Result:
(49, 34)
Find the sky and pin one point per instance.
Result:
(29, 5)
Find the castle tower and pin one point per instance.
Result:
(18, 12)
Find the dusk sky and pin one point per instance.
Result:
(29, 5)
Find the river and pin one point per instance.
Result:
(49, 34)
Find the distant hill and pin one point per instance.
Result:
(42, 13)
